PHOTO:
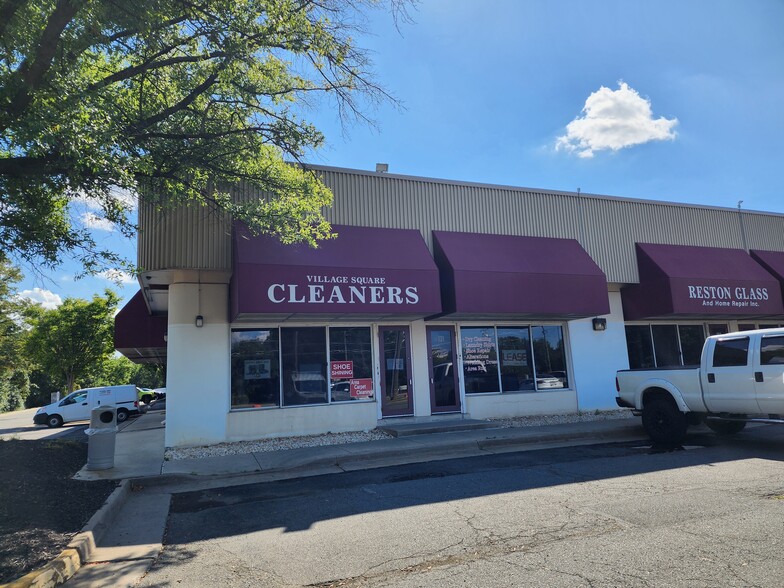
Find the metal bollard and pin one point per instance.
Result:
(102, 434)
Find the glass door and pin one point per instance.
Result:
(396, 386)
(444, 391)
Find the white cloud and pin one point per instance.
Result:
(92, 221)
(45, 298)
(118, 277)
(613, 120)
(128, 199)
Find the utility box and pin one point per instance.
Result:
(101, 438)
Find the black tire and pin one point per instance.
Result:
(54, 420)
(725, 427)
(122, 415)
(663, 422)
(147, 398)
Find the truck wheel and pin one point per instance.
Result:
(725, 427)
(663, 422)
(122, 415)
(54, 420)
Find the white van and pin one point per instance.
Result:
(78, 404)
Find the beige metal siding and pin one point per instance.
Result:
(188, 237)
(607, 227)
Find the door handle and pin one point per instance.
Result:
(712, 378)
(758, 377)
(84, 404)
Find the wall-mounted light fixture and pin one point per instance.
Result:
(199, 321)
(599, 324)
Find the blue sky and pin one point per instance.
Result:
(666, 100)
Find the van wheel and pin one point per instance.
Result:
(725, 427)
(663, 422)
(54, 420)
(122, 415)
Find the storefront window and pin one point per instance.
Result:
(480, 360)
(513, 359)
(692, 339)
(550, 357)
(514, 346)
(639, 346)
(351, 359)
(718, 329)
(304, 354)
(665, 345)
(255, 368)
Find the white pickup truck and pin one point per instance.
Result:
(740, 379)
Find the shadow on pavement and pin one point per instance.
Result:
(300, 503)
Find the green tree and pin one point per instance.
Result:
(112, 371)
(121, 370)
(14, 381)
(70, 340)
(172, 99)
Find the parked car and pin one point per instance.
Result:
(548, 382)
(78, 404)
(145, 395)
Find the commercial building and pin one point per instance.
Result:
(437, 297)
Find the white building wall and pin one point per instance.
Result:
(198, 374)
(596, 356)
(301, 420)
(489, 406)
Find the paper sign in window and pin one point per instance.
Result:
(341, 370)
(362, 388)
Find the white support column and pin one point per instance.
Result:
(198, 371)
(596, 356)
(420, 373)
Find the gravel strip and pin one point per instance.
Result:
(283, 443)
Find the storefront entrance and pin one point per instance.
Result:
(396, 386)
(444, 391)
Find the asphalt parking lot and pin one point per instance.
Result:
(19, 425)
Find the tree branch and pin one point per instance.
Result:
(31, 73)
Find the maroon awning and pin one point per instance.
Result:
(773, 261)
(138, 335)
(504, 275)
(699, 282)
(365, 272)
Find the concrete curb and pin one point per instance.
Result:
(80, 549)
(465, 448)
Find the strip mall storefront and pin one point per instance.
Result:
(385, 322)
(687, 293)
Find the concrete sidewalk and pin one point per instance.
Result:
(139, 452)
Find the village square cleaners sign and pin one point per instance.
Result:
(296, 289)
(337, 290)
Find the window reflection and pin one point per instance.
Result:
(255, 368)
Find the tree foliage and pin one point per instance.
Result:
(14, 381)
(68, 342)
(172, 99)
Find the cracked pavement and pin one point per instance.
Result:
(604, 515)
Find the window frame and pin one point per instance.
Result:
(677, 325)
(279, 326)
(459, 326)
